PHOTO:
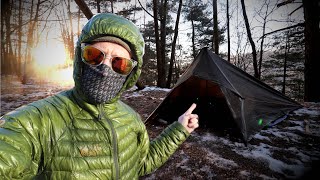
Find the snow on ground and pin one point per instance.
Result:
(15, 94)
(285, 151)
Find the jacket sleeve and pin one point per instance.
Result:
(155, 153)
(19, 147)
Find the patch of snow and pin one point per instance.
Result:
(262, 152)
(208, 137)
(134, 94)
(217, 160)
(304, 111)
(264, 177)
(245, 173)
(153, 88)
(259, 136)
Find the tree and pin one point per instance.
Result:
(6, 49)
(241, 58)
(66, 26)
(30, 41)
(19, 43)
(215, 27)
(312, 44)
(287, 63)
(84, 8)
(264, 16)
(228, 30)
(253, 46)
(197, 13)
(311, 11)
(173, 45)
(160, 61)
(163, 22)
(149, 73)
(20, 29)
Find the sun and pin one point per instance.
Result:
(49, 63)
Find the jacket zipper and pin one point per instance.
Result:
(114, 141)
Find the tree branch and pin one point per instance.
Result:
(284, 3)
(84, 8)
(295, 10)
(146, 10)
(282, 29)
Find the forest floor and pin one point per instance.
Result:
(286, 151)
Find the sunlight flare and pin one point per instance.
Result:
(50, 64)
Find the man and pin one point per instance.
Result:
(87, 132)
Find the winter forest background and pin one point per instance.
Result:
(273, 40)
(276, 41)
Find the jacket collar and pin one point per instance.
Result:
(93, 109)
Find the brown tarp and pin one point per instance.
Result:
(227, 98)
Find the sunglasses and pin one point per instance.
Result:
(94, 57)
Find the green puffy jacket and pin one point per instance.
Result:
(64, 137)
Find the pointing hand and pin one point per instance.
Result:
(189, 120)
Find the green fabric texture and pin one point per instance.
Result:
(64, 137)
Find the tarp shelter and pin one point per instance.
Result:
(227, 98)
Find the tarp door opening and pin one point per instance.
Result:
(212, 107)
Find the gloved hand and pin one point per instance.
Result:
(189, 120)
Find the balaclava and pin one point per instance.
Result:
(100, 83)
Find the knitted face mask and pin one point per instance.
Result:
(100, 84)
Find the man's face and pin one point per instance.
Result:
(112, 50)
(107, 66)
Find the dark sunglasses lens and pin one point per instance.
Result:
(122, 65)
(92, 55)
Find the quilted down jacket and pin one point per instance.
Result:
(64, 137)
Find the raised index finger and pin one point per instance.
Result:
(191, 108)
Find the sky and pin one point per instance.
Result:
(50, 50)
(252, 6)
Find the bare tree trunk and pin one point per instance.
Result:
(177, 64)
(160, 81)
(84, 8)
(111, 6)
(10, 59)
(6, 48)
(67, 29)
(140, 85)
(71, 41)
(3, 4)
(215, 27)
(253, 46)
(20, 38)
(228, 30)
(312, 55)
(27, 58)
(163, 19)
(98, 6)
(286, 51)
(261, 47)
(264, 18)
(193, 41)
(173, 46)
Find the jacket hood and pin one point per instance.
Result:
(107, 24)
